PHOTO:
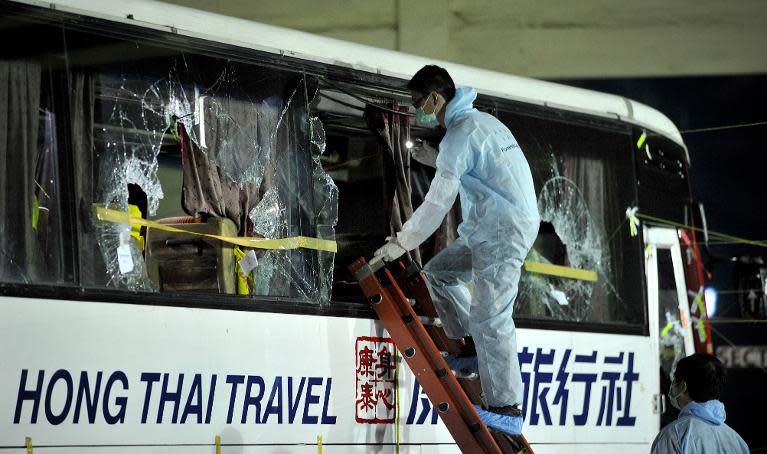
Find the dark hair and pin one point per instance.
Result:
(704, 374)
(433, 78)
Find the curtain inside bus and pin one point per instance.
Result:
(392, 129)
(19, 214)
(408, 181)
(82, 94)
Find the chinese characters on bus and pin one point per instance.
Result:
(562, 387)
(375, 399)
(553, 378)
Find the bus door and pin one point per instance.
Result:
(669, 314)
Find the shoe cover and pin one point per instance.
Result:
(509, 425)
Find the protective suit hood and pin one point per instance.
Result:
(460, 104)
(711, 411)
(700, 429)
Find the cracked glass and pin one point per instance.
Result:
(203, 154)
(584, 181)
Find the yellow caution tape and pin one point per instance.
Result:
(35, 212)
(135, 229)
(702, 312)
(716, 235)
(701, 306)
(560, 271)
(108, 215)
(702, 330)
(631, 215)
(243, 288)
(641, 139)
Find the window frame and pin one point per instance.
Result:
(546, 113)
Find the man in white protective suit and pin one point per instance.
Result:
(479, 159)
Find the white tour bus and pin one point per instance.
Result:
(181, 194)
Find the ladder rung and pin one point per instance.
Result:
(430, 321)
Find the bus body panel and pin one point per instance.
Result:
(121, 374)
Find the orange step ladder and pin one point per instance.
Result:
(401, 299)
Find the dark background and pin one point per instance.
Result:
(728, 176)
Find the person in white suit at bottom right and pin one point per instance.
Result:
(700, 429)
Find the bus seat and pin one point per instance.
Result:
(179, 262)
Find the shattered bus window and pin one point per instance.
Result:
(583, 188)
(579, 244)
(193, 157)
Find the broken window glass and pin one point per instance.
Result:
(584, 180)
(192, 157)
(353, 158)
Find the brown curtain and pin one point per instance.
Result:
(405, 184)
(19, 119)
(207, 189)
(591, 175)
(82, 98)
(394, 130)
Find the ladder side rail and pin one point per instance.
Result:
(391, 306)
(442, 371)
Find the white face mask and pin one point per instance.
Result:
(672, 398)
